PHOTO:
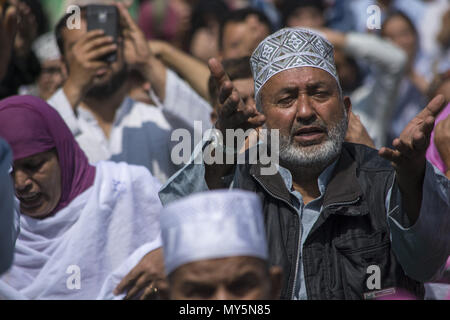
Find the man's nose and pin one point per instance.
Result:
(221, 294)
(305, 109)
(22, 181)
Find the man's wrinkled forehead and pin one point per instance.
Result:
(300, 78)
(291, 48)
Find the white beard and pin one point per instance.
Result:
(314, 158)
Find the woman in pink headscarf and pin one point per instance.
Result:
(438, 154)
(78, 223)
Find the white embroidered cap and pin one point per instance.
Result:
(212, 225)
(45, 47)
(291, 48)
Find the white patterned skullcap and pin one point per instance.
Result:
(212, 225)
(45, 47)
(291, 48)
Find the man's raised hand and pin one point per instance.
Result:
(233, 112)
(408, 157)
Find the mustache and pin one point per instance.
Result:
(316, 123)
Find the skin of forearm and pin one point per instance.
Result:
(419, 82)
(195, 72)
(155, 72)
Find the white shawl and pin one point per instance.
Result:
(72, 254)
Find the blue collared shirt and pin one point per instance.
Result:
(308, 215)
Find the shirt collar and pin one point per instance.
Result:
(322, 181)
(123, 110)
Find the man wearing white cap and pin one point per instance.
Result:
(215, 248)
(343, 222)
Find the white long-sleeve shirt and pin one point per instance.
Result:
(141, 133)
(375, 102)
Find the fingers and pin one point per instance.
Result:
(403, 148)
(126, 18)
(159, 289)
(11, 21)
(257, 121)
(138, 286)
(98, 42)
(433, 107)
(128, 281)
(98, 53)
(389, 154)
(89, 36)
(218, 72)
(149, 293)
(225, 91)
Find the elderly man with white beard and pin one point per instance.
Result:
(344, 221)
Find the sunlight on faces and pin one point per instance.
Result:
(50, 79)
(241, 38)
(306, 106)
(400, 32)
(307, 17)
(231, 278)
(37, 183)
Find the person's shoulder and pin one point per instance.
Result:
(122, 171)
(145, 112)
(366, 157)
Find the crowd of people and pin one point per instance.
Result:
(354, 96)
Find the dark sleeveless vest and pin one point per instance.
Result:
(349, 245)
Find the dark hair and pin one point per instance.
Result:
(404, 16)
(240, 16)
(237, 68)
(39, 14)
(289, 7)
(204, 9)
(62, 24)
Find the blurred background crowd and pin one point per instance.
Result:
(390, 58)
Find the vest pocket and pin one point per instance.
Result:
(364, 265)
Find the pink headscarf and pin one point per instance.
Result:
(432, 153)
(31, 126)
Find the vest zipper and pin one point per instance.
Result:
(299, 234)
(342, 203)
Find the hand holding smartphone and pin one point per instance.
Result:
(105, 18)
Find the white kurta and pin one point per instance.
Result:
(141, 133)
(72, 254)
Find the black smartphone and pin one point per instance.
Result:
(105, 18)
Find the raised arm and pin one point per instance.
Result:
(194, 71)
(8, 28)
(408, 157)
(233, 114)
(388, 62)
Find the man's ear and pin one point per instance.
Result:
(348, 106)
(276, 279)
